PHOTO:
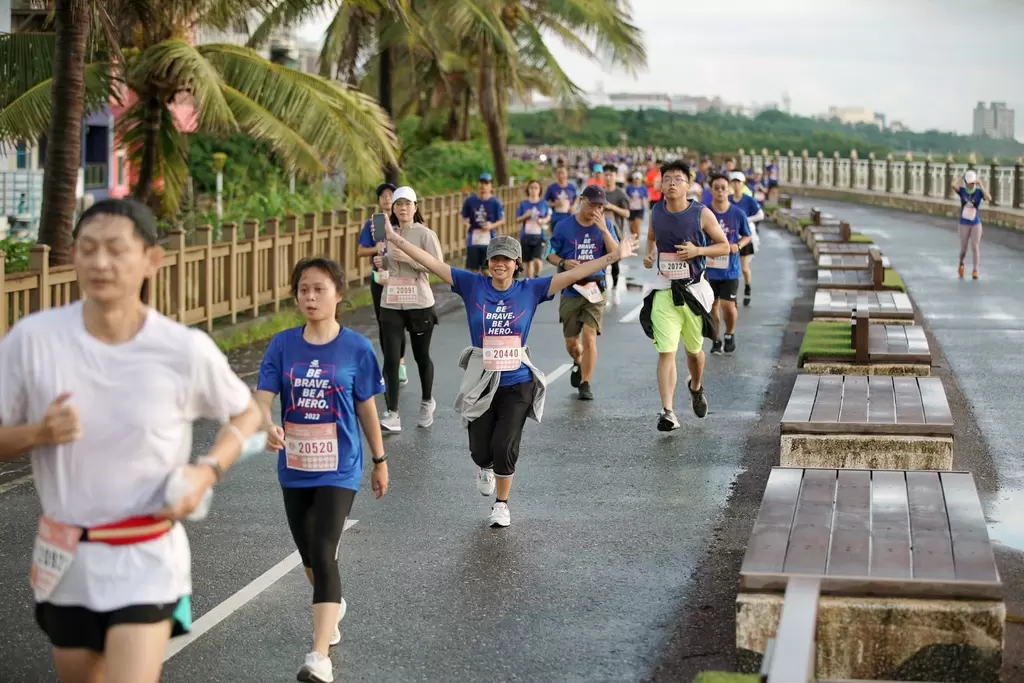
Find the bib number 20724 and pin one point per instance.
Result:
(673, 266)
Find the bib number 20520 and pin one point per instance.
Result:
(311, 448)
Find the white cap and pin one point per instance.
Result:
(736, 175)
(405, 192)
(970, 177)
(638, 175)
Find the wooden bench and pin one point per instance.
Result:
(785, 201)
(845, 248)
(908, 582)
(893, 349)
(875, 422)
(852, 261)
(870, 278)
(884, 307)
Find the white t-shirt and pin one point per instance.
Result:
(623, 170)
(137, 402)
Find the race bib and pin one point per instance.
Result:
(503, 353)
(400, 290)
(969, 213)
(591, 292)
(311, 448)
(636, 203)
(673, 266)
(562, 206)
(759, 196)
(533, 228)
(717, 262)
(480, 238)
(52, 556)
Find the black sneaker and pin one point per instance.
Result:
(585, 393)
(575, 376)
(697, 401)
(730, 343)
(746, 295)
(667, 420)
(716, 347)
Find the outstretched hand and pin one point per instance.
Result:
(627, 248)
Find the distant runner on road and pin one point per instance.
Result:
(560, 196)
(482, 215)
(723, 272)
(971, 192)
(534, 216)
(742, 198)
(638, 203)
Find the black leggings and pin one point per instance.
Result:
(316, 517)
(377, 291)
(494, 436)
(615, 274)
(420, 324)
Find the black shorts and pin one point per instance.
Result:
(533, 248)
(637, 215)
(747, 250)
(413, 320)
(81, 628)
(725, 289)
(476, 258)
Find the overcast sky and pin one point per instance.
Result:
(924, 62)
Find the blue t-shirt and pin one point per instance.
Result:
(973, 199)
(570, 240)
(480, 211)
(542, 210)
(366, 240)
(735, 226)
(499, 313)
(556, 193)
(636, 193)
(747, 204)
(772, 171)
(319, 387)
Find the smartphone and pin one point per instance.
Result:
(378, 227)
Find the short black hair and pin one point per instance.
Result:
(531, 181)
(327, 265)
(141, 216)
(677, 165)
(712, 177)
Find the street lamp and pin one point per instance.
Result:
(219, 160)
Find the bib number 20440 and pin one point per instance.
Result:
(502, 353)
(311, 448)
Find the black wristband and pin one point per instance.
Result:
(377, 461)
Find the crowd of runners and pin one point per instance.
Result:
(104, 392)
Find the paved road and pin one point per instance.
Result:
(610, 519)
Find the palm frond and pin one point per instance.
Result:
(26, 60)
(27, 116)
(171, 152)
(289, 13)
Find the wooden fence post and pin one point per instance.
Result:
(252, 235)
(273, 228)
(290, 232)
(204, 238)
(39, 261)
(344, 251)
(176, 244)
(229, 234)
(3, 295)
(314, 238)
(327, 223)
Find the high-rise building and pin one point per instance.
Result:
(994, 121)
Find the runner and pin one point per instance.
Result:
(408, 306)
(367, 248)
(758, 187)
(501, 387)
(971, 192)
(534, 214)
(482, 215)
(326, 376)
(772, 171)
(638, 203)
(103, 394)
(584, 237)
(618, 206)
(723, 272)
(654, 182)
(597, 176)
(742, 197)
(679, 307)
(560, 196)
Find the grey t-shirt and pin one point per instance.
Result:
(618, 198)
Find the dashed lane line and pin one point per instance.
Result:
(15, 483)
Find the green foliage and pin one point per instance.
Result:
(859, 238)
(442, 167)
(893, 280)
(826, 340)
(15, 255)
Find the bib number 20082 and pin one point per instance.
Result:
(311, 448)
(52, 556)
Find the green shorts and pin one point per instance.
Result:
(672, 323)
(576, 312)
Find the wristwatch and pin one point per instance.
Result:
(377, 461)
(218, 471)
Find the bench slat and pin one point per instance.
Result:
(802, 399)
(933, 401)
(890, 526)
(972, 553)
(929, 527)
(769, 539)
(828, 400)
(855, 399)
(881, 401)
(917, 342)
(850, 549)
(909, 409)
(812, 525)
(896, 339)
(902, 302)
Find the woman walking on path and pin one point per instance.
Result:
(534, 214)
(971, 192)
(408, 305)
(327, 377)
(501, 387)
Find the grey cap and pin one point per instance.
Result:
(508, 247)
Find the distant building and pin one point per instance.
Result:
(897, 127)
(995, 121)
(855, 115)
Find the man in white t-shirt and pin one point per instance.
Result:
(103, 394)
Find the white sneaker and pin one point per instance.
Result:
(500, 516)
(427, 412)
(485, 483)
(316, 669)
(336, 638)
(390, 422)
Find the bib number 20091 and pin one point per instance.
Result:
(52, 556)
(311, 448)
(400, 290)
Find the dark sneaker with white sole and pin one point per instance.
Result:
(716, 348)
(730, 343)
(585, 393)
(667, 420)
(698, 401)
(575, 376)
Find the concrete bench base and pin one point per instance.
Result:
(863, 451)
(891, 369)
(872, 319)
(899, 639)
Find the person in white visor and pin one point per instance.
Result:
(971, 192)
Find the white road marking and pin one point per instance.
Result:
(208, 621)
(1006, 317)
(633, 314)
(15, 483)
(557, 372)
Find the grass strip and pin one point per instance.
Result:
(826, 340)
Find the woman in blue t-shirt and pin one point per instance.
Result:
(501, 387)
(971, 192)
(534, 214)
(327, 377)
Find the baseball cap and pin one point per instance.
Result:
(594, 194)
(385, 186)
(405, 192)
(736, 175)
(598, 168)
(486, 178)
(638, 175)
(970, 177)
(506, 246)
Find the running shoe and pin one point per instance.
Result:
(427, 412)
(336, 638)
(576, 376)
(974, 275)
(730, 343)
(316, 669)
(585, 393)
(667, 420)
(716, 347)
(960, 271)
(500, 516)
(746, 295)
(697, 400)
(403, 375)
(390, 422)
(485, 483)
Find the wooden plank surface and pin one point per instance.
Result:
(972, 552)
(828, 400)
(855, 400)
(769, 539)
(839, 303)
(850, 550)
(881, 400)
(890, 526)
(917, 342)
(844, 279)
(909, 409)
(812, 524)
(845, 248)
(929, 527)
(801, 401)
(898, 343)
(934, 402)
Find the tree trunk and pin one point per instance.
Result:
(464, 103)
(64, 139)
(147, 165)
(486, 98)
(451, 129)
(386, 103)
